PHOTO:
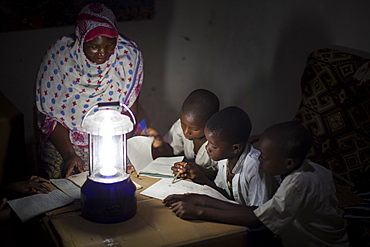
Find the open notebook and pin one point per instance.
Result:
(67, 190)
(139, 152)
(165, 187)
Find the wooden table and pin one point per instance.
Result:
(153, 225)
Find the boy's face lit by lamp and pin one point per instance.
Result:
(108, 195)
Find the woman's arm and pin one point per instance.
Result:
(60, 138)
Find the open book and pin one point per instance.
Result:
(66, 191)
(139, 152)
(165, 187)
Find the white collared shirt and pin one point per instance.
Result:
(176, 138)
(303, 211)
(250, 185)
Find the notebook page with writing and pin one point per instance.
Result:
(31, 206)
(165, 187)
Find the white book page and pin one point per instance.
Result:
(79, 178)
(162, 165)
(165, 187)
(31, 206)
(139, 151)
(65, 185)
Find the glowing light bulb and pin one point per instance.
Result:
(108, 154)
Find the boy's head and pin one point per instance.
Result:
(227, 132)
(284, 147)
(197, 108)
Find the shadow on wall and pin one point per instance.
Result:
(152, 95)
(300, 36)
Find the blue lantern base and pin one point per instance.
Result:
(108, 203)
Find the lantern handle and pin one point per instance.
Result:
(129, 110)
(103, 104)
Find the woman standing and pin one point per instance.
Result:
(96, 64)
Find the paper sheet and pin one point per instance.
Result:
(165, 187)
(30, 206)
(68, 187)
(162, 165)
(79, 178)
(139, 151)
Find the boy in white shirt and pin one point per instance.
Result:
(186, 136)
(239, 176)
(302, 212)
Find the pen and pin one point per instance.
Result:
(174, 179)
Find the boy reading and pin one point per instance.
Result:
(186, 136)
(239, 176)
(303, 210)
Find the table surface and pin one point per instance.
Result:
(153, 225)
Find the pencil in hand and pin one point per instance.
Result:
(175, 178)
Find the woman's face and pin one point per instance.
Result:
(99, 49)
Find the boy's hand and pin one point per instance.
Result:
(35, 185)
(186, 210)
(195, 199)
(158, 141)
(187, 206)
(186, 170)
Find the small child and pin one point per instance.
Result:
(303, 210)
(186, 136)
(239, 176)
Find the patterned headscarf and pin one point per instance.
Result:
(69, 84)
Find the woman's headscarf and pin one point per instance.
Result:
(69, 84)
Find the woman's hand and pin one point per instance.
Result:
(72, 163)
(35, 185)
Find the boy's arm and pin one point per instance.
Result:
(237, 215)
(194, 206)
(159, 147)
(194, 172)
(209, 173)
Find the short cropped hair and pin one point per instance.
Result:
(202, 104)
(292, 139)
(231, 125)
